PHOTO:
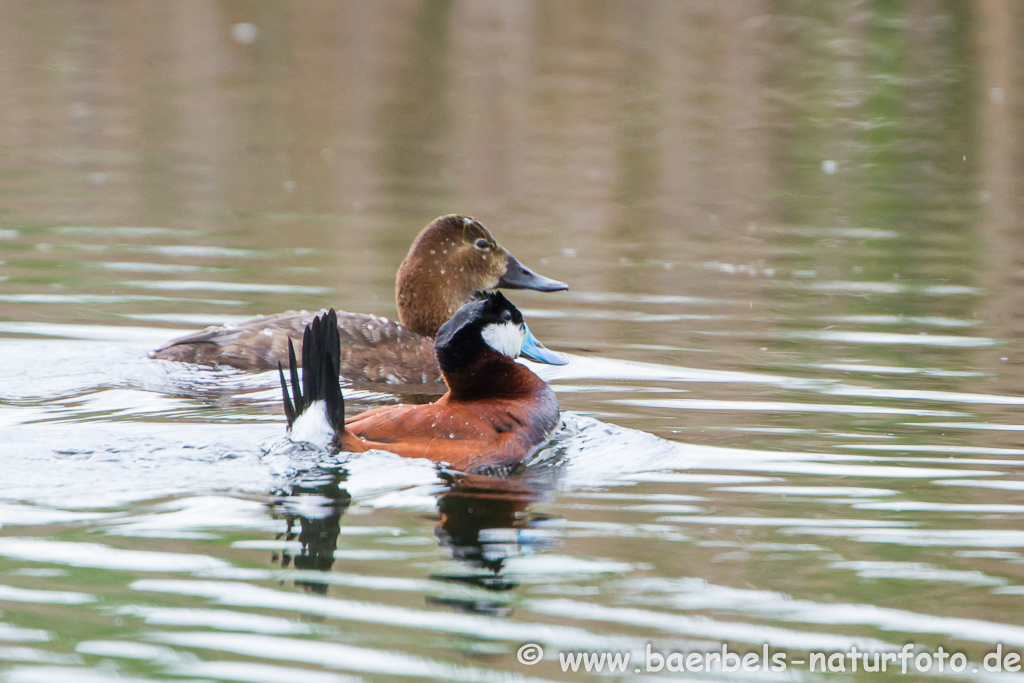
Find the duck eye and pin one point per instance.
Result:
(506, 315)
(482, 244)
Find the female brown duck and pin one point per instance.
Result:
(450, 259)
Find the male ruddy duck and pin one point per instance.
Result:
(450, 259)
(495, 414)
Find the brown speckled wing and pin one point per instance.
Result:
(373, 349)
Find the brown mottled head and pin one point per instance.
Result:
(449, 260)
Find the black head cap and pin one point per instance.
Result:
(460, 341)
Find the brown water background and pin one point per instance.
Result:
(792, 232)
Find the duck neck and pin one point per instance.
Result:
(483, 374)
(424, 302)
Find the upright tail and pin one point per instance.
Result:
(316, 410)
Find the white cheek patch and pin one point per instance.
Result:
(312, 426)
(505, 338)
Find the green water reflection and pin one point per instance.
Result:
(807, 215)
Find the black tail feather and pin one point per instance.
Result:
(293, 370)
(289, 408)
(321, 365)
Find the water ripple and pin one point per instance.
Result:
(216, 286)
(103, 557)
(777, 406)
(330, 655)
(891, 338)
(698, 594)
(12, 594)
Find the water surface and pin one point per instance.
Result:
(793, 414)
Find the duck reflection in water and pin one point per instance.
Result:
(312, 507)
(483, 520)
